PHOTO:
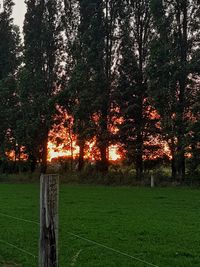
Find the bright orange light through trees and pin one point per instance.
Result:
(55, 151)
(114, 154)
(63, 143)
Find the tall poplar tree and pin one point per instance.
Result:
(9, 63)
(136, 32)
(78, 95)
(39, 79)
(86, 87)
(171, 69)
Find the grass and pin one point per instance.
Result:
(160, 226)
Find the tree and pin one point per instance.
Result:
(106, 42)
(170, 71)
(193, 136)
(78, 91)
(39, 78)
(136, 32)
(86, 85)
(9, 62)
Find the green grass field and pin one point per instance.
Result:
(160, 226)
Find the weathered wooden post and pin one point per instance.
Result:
(48, 245)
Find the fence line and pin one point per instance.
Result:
(79, 237)
(114, 250)
(20, 249)
(18, 219)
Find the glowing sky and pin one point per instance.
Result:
(18, 12)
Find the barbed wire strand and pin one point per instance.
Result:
(87, 240)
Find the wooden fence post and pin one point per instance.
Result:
(48, 245)
(152, 181)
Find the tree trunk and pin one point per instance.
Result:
(81, 155)
(33, 163)
(173, 168)
(104, 158)
(181, 165)
(138, 158)
(182, 19)
(139, 124)
(139, 143)
(103, 139)
(172, 147)
(19, 160)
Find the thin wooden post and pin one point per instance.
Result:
(152, 181)
(48, 247)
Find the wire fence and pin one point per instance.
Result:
(17, 248)
(135, 258)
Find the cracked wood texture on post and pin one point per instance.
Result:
(48, 247)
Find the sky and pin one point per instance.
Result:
(19, 12)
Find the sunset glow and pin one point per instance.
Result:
(114, 154)
(55, 151)
(63, 142)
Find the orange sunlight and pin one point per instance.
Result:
(55, 151)
(114, 154)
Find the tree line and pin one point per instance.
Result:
(131, 64)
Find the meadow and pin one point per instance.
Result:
(104, 226)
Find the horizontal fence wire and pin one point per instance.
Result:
(18, 219)
(112, 249)
(18, 248)
(79, 237)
